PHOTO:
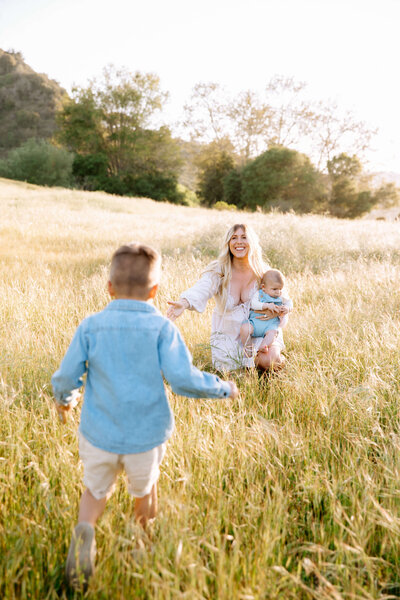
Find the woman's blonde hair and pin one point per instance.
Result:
(223, 265)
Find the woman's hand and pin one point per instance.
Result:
(176, 308)
(268, 313)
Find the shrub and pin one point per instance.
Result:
(189, 197)
(89, 169)
(40, 162)
(222, 205)
(156, 185)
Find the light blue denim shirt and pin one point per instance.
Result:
(125, 350)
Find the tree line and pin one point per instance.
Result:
(244, 148)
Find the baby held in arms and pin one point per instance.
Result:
(268, 296)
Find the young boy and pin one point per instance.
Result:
(125, 350)
(268, 296)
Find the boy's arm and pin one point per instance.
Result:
(73, 366)
(177, 368)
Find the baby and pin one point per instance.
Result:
(268, 296)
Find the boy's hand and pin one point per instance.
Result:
(63, 409)
(62, 412)
(234, 391)
(285, 310)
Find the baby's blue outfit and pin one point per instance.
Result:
(125, 350)
(261, 327)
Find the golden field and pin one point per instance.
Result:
(291, 491)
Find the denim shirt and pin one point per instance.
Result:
(125, 350)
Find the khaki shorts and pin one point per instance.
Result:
(100, 469)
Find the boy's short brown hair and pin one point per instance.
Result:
(135, 269)
(273, 275)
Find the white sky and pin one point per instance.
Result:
(346, 50)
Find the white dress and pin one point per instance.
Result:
(226, 347)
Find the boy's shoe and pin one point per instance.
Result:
(81, 555)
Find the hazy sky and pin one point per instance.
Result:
(346, 50)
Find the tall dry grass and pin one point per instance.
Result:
(291, 491)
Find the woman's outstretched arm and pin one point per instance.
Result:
(196, 297)
(176, 308)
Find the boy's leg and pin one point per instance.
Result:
(100, 471)
(82, 551)
(143, 470)
(90, 508)
(146, 507)
(268, 340)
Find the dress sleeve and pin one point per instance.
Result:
(201, 292)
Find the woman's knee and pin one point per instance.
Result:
(246, 330)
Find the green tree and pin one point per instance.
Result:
(81, 123)
(334, 129)
(214, 163)
(249, 124)
(388, 195)
(281, 116)
(291, 117)
(350, 196)
(232, 184)
(205, 113)
(282, 178)
(110, 126)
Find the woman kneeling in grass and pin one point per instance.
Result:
(233, 279)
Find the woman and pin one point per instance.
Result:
(232, 279)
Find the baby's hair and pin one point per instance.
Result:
(273, 275)
(135, 269)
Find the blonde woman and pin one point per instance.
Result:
(232, 279)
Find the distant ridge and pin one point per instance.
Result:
(28, 102)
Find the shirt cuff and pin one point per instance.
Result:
(69, 398)
(226, 389)
(190, 307)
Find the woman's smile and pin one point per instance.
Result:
(238, 244)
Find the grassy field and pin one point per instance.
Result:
(291, 491)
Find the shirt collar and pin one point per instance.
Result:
(131, 305)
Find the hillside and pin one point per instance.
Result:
(28, 102)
